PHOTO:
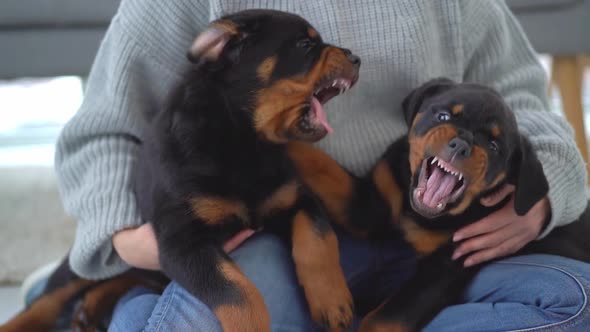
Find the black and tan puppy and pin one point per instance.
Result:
(463, 144)
(215, 162)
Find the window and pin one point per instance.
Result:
(32, 113)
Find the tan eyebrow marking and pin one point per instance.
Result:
(496, 130)
(312, 33)
(457, 109)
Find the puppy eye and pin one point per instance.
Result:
(494, 146)
(443, 116)
(305, 43)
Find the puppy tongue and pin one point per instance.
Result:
(439, 187)
(319, 115)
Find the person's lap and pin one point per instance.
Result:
(523, 293)
(267, 262)
(516, 293)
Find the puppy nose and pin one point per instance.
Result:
(355, 60)
(352, 58)
(459, 148)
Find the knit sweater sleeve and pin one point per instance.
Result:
(497, 53)
(139, 60)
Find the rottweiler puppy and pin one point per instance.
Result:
(215, 162)
(463, 144)
(83, 304)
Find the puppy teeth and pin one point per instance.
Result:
(439, 205)
(433, 161)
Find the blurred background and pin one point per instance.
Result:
(46, 51)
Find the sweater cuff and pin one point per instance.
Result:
(96, 187)
(93, 256)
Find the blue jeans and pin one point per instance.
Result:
(537, 292)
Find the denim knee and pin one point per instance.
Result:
(133, 310)
(526, 293)
(561, 287)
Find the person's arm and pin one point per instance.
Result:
(497, 53)
(140, 59)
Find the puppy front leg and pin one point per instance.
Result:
(199, 264)
(317, 262)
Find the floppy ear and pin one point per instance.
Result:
(209, 45)
(411, 104)
(526, 173)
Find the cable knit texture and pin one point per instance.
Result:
(402, 44)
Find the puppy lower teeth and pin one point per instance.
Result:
(439, 205)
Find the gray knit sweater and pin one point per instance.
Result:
(402, 43)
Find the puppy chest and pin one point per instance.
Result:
(252, 211)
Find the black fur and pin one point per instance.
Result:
(210, 142)
(206, 144)
(440, 281)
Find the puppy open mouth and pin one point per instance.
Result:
(440, 184)
(325, 90)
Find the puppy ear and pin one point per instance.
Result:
(209, 45)
(411, 104)
(526, 173)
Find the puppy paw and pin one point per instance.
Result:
(81, 321)
(330, 304)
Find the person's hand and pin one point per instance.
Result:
(502, 232)
(138, 247)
